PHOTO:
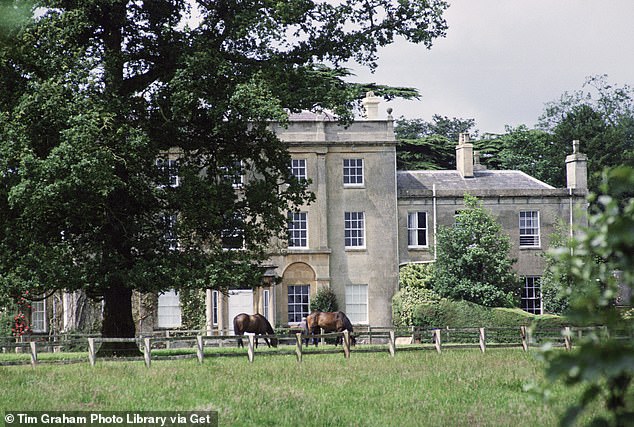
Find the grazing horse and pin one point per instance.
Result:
(255, 323)
(335, 321)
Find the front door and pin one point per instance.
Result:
(240, 301)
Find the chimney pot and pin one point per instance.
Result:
(371, 105)
(577, 168)
(464, 156)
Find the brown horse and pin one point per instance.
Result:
(255, 323)
(334, 321)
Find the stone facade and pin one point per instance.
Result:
(326, 260)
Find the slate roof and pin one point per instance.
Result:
(482, 181)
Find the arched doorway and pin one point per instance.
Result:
(298, 285)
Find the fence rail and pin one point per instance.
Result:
(381, 338)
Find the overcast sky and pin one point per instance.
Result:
(502, 60)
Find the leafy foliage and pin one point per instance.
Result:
(192, 302)
(415, 291)
(601, 116)
(465, 314)
(602, 257)
(450, 128)
(325, 300)
(429, 145)
(556, 285)
(101, 90)
(473, 259)
(532, 151)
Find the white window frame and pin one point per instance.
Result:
(298, 230)
(414, 228)
(170, 235)
(235, 176)
(38, 316)
(354, 230)
(531, 298)
(529, 229)
(172, 318)
(353, 173)
(265, 302)
(169, 167)
(215, 300)
(356, 300)
(298, 169)
(229, 235)
(300, 299)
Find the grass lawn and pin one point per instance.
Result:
(416, 388)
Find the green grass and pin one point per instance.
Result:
(417, 388)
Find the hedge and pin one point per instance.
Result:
(463, 314)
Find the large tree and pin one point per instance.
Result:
(473, 259)
(601, 116)
(95, 91)
(532, 151)
(429, 145)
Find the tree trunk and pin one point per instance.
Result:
(118, 322)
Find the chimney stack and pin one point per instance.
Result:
(464, 156)
(371, 106)
(577, 168)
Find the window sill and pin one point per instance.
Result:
(353, 185)
(418, 248)
(529, 248)
(355, 249)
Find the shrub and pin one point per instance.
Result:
(556, 283)
(6, 320)
(192, 303)
(414, 281)
(473, 259)
(465, 314)
(324, 300)
(407, 302)
(416, 275)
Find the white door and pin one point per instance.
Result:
(240, 301)
(169, 310)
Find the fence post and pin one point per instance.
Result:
(413, 331)
(33, 353)
(168, 344)
(322, 340)
(251, 350)
(298, 346)
(200, 351)
(483, 344)
(147, 352)
(437, 341)
(346, 344)
(391, 345)
(370, 334)
(91, 351)
(524, 335)
(567, 338)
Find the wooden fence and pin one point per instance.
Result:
(439, 339)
